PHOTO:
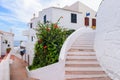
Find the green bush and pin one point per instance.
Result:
(47, 48)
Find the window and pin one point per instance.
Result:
(45, 20)
(86, 21)
(73, 18)
(31, 25)
(31, 38)
(93, 22)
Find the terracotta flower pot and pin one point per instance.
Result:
(8, 50)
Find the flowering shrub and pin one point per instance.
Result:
(50, 40)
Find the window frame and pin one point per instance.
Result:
(31, 25)
(73, 18)
(45, 19)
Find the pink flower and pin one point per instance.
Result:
(55, 26)
(47, 29)
(45, 47)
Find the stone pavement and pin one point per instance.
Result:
(18, 69)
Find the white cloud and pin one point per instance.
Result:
(22, 9)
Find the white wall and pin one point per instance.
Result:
(80, 7)
(53, 14)
(29, 34)
(34, 21)
(107, 43)
(5, 68)
(48, 13)
(51, 72)
(65, 22)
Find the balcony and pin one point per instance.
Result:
(26, 32)
(29, 32)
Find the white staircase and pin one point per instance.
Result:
(81, 62)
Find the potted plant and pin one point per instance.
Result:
(8, 49)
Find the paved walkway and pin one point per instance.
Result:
(18, 70)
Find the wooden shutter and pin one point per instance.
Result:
(93, 22)
(86, 21)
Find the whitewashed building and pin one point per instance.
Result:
(6, 40)
(87, 12)
(74, 17)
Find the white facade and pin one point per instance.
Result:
(80, 7)
(107, 43)
(6, 39)
(52, 15)
(31, 35)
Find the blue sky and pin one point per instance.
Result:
(16, 14)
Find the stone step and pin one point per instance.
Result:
(85, 76)
(81, 57)
(85, 38)
(82, 53)
(83, 69)
(83, 72)
(82, 65)
(81, 47)
(31, 79)
(77, 45)
(72, 54)
(83, 43)
(97, 78)
(77, 50)
(82, 62)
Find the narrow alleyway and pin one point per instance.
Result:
(18, 70)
